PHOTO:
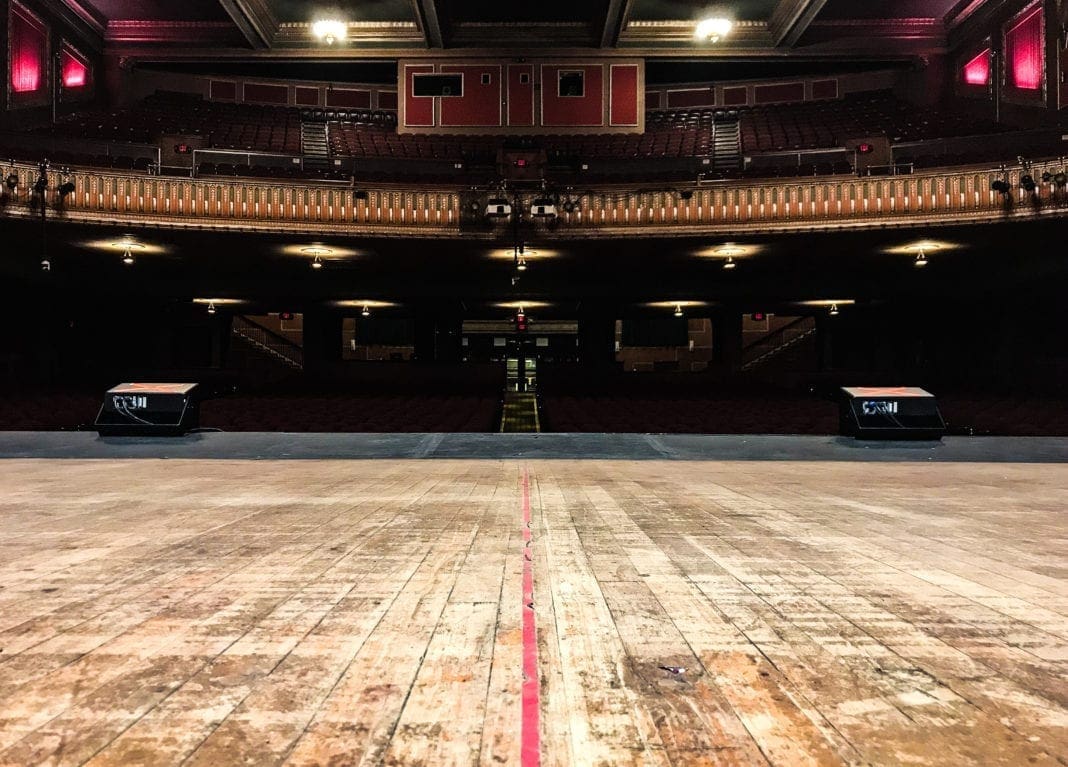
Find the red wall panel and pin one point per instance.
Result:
(348, 98)
(306, 97)
(520, 95)
(418, 110)
(825, 89)
(572, 111)
(691, 97)
(771, 94)
(266, 94)
(480, 105)
(222, 90)
(624, 95)
(735, 97)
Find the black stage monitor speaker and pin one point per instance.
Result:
(895, 412)
(149, 409)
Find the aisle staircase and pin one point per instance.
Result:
(520, 413)
(314, 145)
(726, 143)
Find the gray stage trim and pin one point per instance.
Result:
(636, 447)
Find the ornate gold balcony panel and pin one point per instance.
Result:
(757, 205)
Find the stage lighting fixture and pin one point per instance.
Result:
(713, 30)
(330, 30)
(317, 263)
(211, 307)
(543, 207)
(1028, 182)
(498, 207)
(127, 257)
(834, 310)
(12, 181)
(729, 263)
(921, 260)
(521, 265)
(1000, 186)
(678, 310)
(365, 311)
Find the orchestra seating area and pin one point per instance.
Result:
(677, 403)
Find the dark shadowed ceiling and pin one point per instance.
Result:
(280, 30)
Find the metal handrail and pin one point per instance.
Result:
(269, 340)
(777, 340)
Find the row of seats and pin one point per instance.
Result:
(250, 127)
(815, 125)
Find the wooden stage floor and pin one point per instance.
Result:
(322, 612)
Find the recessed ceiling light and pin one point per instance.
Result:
(713, 30)
(330, 30)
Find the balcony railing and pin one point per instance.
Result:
(962, 194)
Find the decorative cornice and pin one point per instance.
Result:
(200, 33)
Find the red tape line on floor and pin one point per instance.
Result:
(531, 742)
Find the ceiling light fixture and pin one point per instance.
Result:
(317, 263)
(127, 257)
(521, 265)
(678, 310)
(330, 31)
(365, 311)
(729, 263)
(834, 310)
(921, 260)
(211, 307)
(713, 30)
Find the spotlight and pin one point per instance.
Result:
(729, 263)
(127, 258)
(521, 265)
(678, 310)
(211, 307)
(330, 30)
(46, 265)
(317, 263)
(1000, 186)
(713, 30)
(834, 310)
(365, 311)
(1028, 182)
(12, 181)
(921, 260)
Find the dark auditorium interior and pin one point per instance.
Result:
(598, 260)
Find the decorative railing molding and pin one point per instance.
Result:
(949, 196)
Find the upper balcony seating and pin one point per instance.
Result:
(817, 125)
(248, 127)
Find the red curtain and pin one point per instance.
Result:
(27, 54)
(977, 71)
(75, 73)
(1025, 51)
